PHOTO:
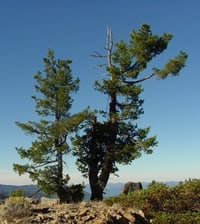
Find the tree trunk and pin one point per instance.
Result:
(98, 179)
(96, 192)
(60, 189)
(98, 183)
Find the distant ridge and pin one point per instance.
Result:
(112, 189)
(5, 190)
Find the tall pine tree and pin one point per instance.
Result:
(118, 139)
(53, 104)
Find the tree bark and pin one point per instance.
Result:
(98, 183)
(96, 190)
(59, 176)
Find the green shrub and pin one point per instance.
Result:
(76, 192)
(148, 200)
(153, 198)
(16, 207)
(73, 193)
(178, 218)
(161, 202)
(122, 199)
(17, 193)
(187, 194)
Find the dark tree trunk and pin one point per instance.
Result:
(98, 183)
(96, 192)
(60, 190)
(99, 176)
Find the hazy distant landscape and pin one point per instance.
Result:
(112, 189)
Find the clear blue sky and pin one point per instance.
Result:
(75, 29)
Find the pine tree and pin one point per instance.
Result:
(117, 139)
(53, 103)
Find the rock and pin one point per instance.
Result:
(49, 201)
(86, 213)
(130, 187)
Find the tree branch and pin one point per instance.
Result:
(98, 55)
(44, 164)
(64, 139)
(130, 68)
(140, 80)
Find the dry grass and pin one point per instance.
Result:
(14, 207)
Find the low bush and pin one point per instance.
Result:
(178, 218)
(76, 192)
(16, 207)
(161, 202)
(17, 193)
(73, 193)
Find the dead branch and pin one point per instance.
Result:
(98, 55)
(109, 45)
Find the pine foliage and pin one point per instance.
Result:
(46, 155)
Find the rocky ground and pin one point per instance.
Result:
(82, 213)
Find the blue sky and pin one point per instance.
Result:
(75, 29)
